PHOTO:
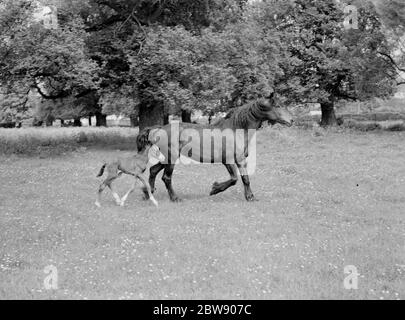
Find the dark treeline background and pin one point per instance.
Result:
(148, 59)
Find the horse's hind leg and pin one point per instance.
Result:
(154, 171)
(221, 187)
(124, 198)
(107, 183)
(114, 193)
(100, 191)
(113, 175)
(246, 181)
(167, 179)
(148, 190)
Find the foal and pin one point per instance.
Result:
(135, 166)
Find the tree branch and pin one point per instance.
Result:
(105, 24)
(391, 60)
(62, 94)
(313, 44)
(346, 96)
(110, 5)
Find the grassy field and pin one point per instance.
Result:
(46, 142)
(326, 200)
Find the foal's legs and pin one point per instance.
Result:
(146, 187)
(154, 171)
(220, 187)
(112, 175)
(124, 198)
(107, 183)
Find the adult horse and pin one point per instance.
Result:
(233, 134)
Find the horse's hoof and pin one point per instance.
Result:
(214, 189)
(251, 198)
(176, 199)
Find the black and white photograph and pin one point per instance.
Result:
(202, 150)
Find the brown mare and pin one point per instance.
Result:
(243, 119)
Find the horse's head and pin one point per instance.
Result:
(274, 112)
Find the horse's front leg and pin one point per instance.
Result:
(167, 179)
(153, 172)
(242, 166)
(124, 198)
(221, 187)
(148, 189)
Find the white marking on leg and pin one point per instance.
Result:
(124, 198)
(152, 198)
(117, 198)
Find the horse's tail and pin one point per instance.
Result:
(142, 140)
(101, 172)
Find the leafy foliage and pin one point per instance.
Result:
(326, 62)
(121, 56)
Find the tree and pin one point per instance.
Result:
(120, 32)
(325, 63)
(178, 71)
(53, 62)
(392, 13)
(120, 101)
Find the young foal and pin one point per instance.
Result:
(134, 166)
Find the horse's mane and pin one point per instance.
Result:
(252, 112)
(241, 117)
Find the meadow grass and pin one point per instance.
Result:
(51, 141)
(327, 199)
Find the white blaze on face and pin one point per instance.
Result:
(161, 157)
(155, 156)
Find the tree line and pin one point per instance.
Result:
(148, 59)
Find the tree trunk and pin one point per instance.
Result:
(186, 116)
(62, 122)
(150, 115)
(134, 120)
(328, 114)
(37, 123)
(90, 121)
(77, 122)
(101, 120)
(49, 122)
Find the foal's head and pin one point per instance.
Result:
(154, 154)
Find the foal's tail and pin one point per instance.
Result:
(102, 170)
